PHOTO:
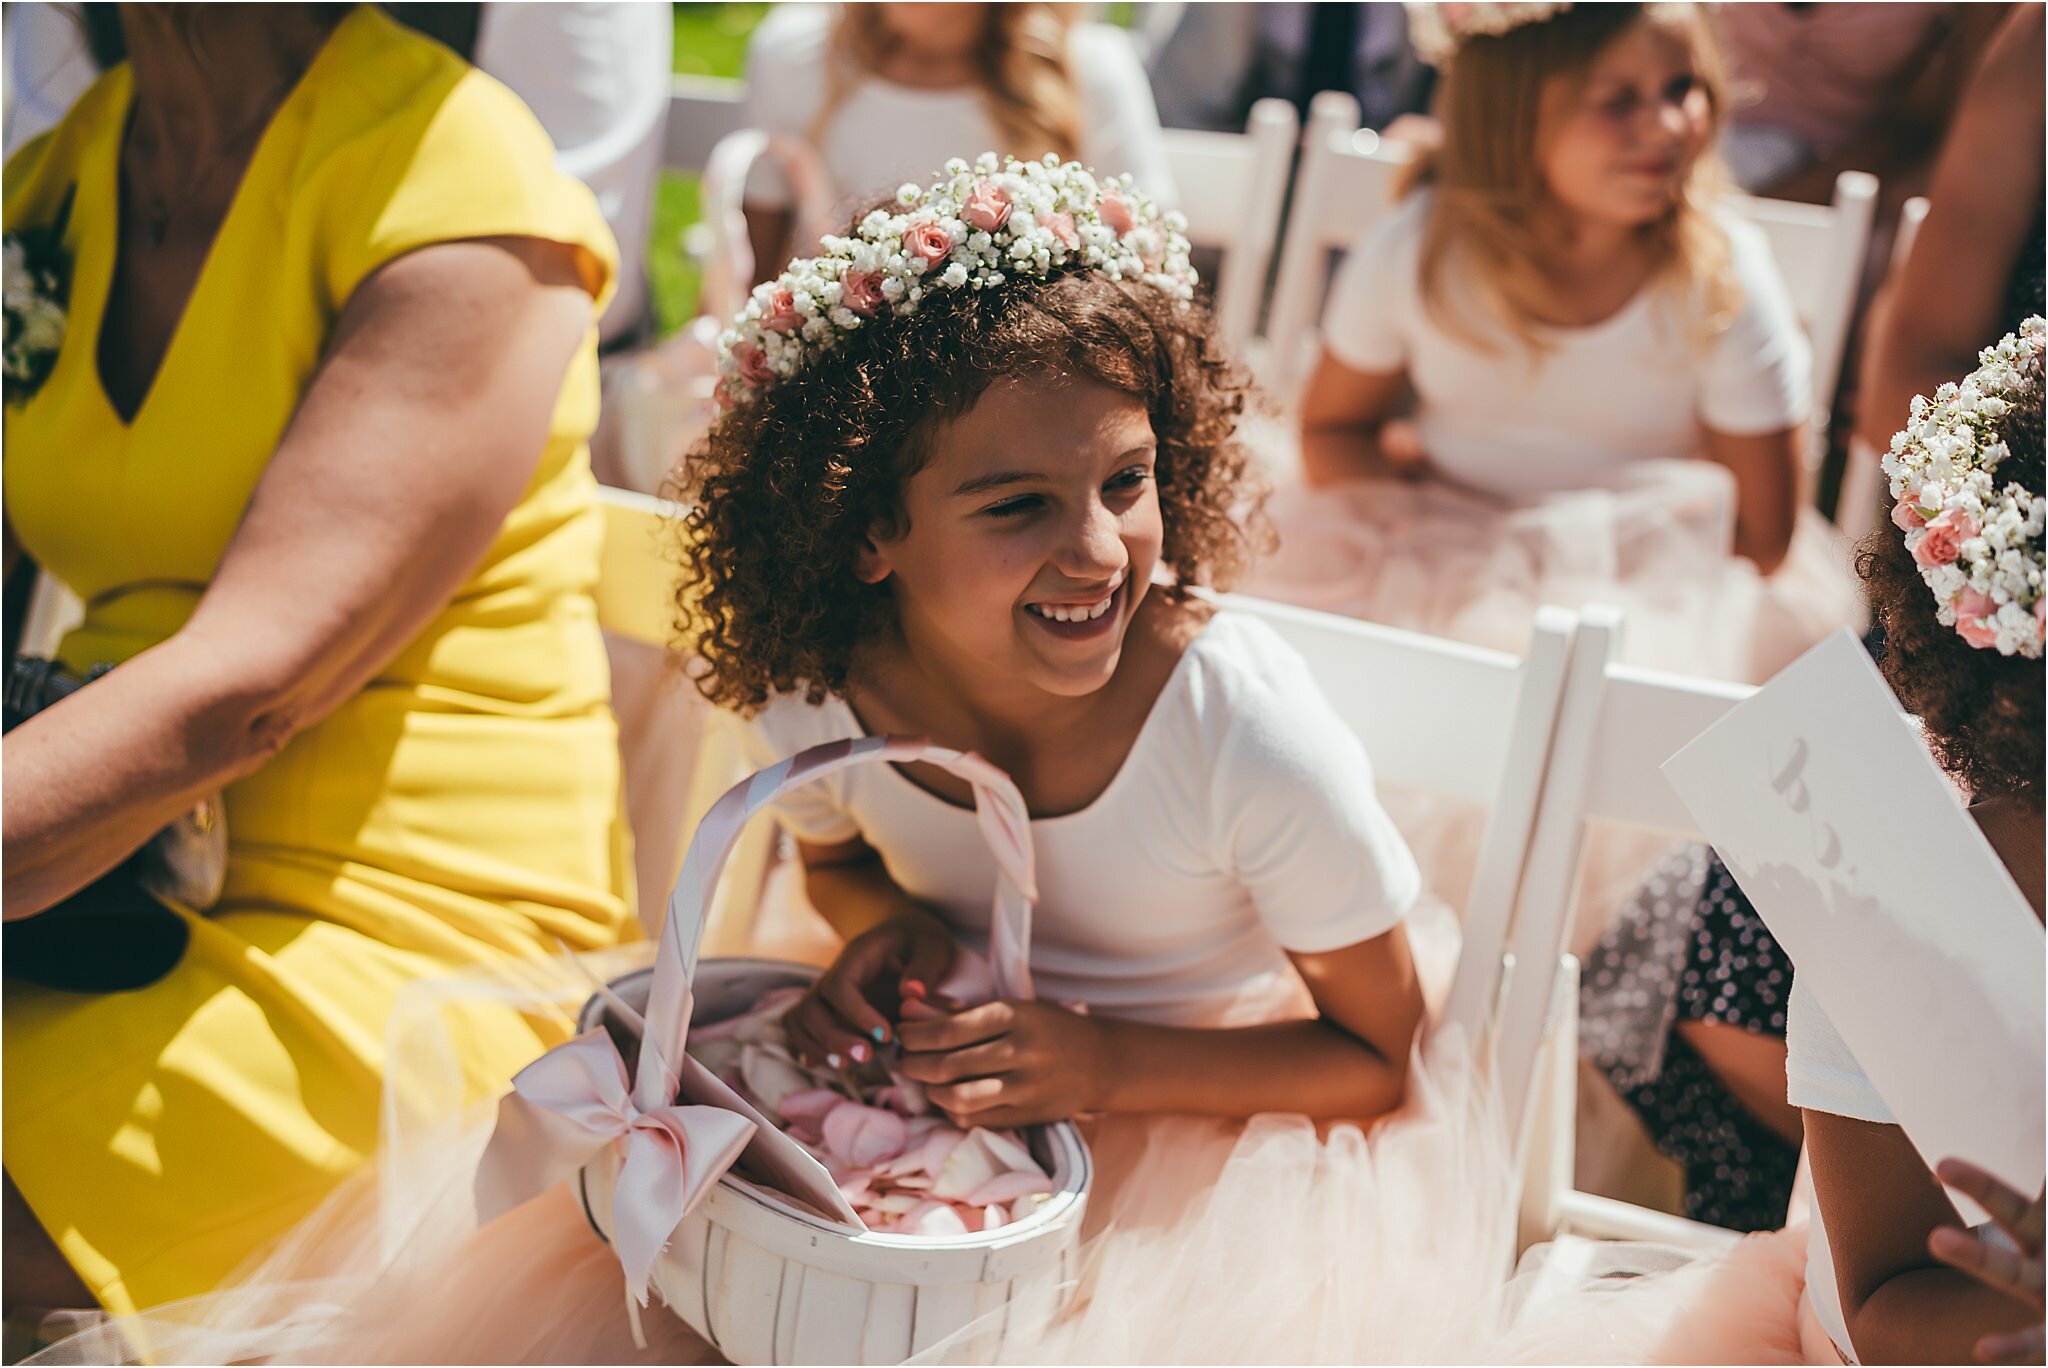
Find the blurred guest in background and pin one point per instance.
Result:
(1220, 59)
(885, 92)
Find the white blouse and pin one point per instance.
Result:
(1637, 386)
(1242, 825)
(884, 134)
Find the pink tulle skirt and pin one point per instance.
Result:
(1207, 1241)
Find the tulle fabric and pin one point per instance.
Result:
(1273, 1240)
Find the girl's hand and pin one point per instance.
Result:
(1009, 1063)
(846, 1013)
(2016, 1272)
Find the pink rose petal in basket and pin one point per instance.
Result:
(1008, 1187)
(861, 1136)
(933, 1218)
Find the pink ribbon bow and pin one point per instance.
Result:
(566, 1106)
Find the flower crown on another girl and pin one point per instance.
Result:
(1438, 30)
(973, 228)
(1979, 547)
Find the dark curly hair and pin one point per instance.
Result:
(786, 489)
(1983, 711)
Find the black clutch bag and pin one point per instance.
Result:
(116, 933)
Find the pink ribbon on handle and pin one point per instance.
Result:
(572, 1102)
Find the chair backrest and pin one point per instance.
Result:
(1345, 184)
(1859, 505)
(1819, 249)
(1616, 726)
(1445, 718)
(1232, 187)
(701, 111)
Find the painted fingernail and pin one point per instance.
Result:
(860, 1053)
(881, 1035)
(835, 1061)
(913, 988)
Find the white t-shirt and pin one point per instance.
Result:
(1822, 1075)
(1242, 824)
(1637, 386)
(884, 134)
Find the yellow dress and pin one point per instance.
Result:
(464, 807)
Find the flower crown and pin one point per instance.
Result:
(1437, 31)
(1979, 547)
(974, 228)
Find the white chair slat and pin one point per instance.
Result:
(1232, 187)
(1860, 503)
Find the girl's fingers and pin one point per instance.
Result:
(925, 968)
(971, 1027)
(818, 1035)
(2023, 1346)
(2015, 1215)
(976, 1061)
(1995, 1266)
(866, 1026)
(967, 1099)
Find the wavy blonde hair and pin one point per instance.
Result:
(1025, 78)
(1488, 181)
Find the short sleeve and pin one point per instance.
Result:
(814, 813)
(462, 158)
(1758, 375)
(1366, 321)
(1297, 817)
(1122, 132)
(1820, 1072)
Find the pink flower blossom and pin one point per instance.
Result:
(782, 315)
(1937, 545)
(987, 207)
(754, 367)
(1116, 214)
(1974, 609)
(1062, 227)
(861, 291)
(927, 242)
(1906, 515)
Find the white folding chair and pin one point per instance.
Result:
(1232, 188)
(1819, 249)
(701, 111)
(1346, 182)
(1616, 726)
(1859, 504)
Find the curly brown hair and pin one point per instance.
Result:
(786, 489)
(1983, 712)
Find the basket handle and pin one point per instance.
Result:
(1005, 824)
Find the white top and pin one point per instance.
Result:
(1242, 824)
(1822, 1075)
(1637, 386)
(884, 134)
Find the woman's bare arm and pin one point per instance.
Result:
(420, 432)
(1927, 324)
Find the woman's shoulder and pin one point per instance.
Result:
(43, 168)
(1241, 687)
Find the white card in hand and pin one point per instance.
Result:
(1897, 914)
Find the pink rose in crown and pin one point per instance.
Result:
(861, 291)
(988, 207)
(754, 367)
(1061, 226)
(782, 316)
(1973, 618)
(1906, 515)
(1116, 214)
(1938, 545)
(927, 242)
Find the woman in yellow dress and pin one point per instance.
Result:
(312, 453)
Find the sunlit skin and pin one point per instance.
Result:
(1615, 149)
(1043, 495)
